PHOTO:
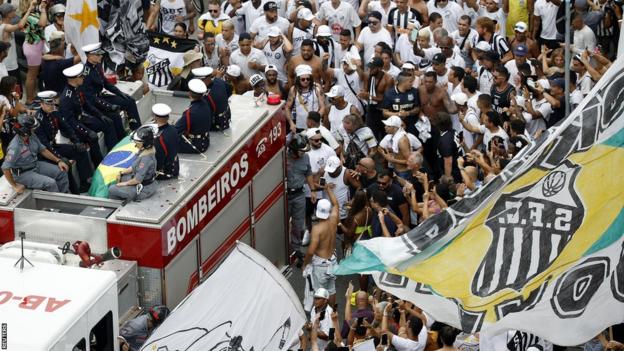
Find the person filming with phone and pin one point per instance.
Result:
(321, 311)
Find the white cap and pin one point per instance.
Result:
(303, 70)
(310, 132)
(332, 164)
(233, 70)
(73, 71)
(305, 14)
(57, 34)
(544, 83)
(274, 32)
(323, 31)
(202, 72)
(408, 65)
(521, 27)
(268, 68)
(348, 59)
(336, 90)
(93, 49)
(392, 121)
(47, 95)
(459, 98)
(322, 292)
(255, 79)
(161, 110)
(323, 209)
(483, 46)
(197, 86)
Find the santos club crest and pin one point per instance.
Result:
(530, 228)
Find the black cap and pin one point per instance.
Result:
(271, 5)
(376, 62)
(439, 58)
(424, 63)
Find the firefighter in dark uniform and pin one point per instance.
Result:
(22, 168)
(166, 144)
(95, 83)
(194, 124)
(217, 96)
(51, 122)
(139, 181)
(85, 126)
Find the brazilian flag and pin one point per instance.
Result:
(119, 158)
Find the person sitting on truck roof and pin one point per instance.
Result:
(167, 163)
(138, 181)
(217, 96)
(194, 124)
(137, 330)
(21, 166)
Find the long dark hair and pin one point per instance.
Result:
(7, 84)
(358, 203)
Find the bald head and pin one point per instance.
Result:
(361, 299)
(367, 163)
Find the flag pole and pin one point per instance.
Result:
(567, 57)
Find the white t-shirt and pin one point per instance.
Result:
(11, 60)
(488, 135)
(250, 13)
(459, 39)
(498, 16)
(402, 344)
(393, 71)
(375, 5)
(547, 11)
(533, 125)
(584, 83)
(368, 39)
(344, 17)
(221, 43)
(450, 14)
(514, 76)
(237, 58)
(584, 39)
(261, 27)
(326, 324)
(405, 48)
(473, 120)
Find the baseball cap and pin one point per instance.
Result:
(323, 31)
(57, 34)
(483, 46)
(270, 5)
(376, 62)
(347, 58)
(270, 68)
(459, 98)
(274, 32)
(255, 79)
(305, 14)
(392, 121)
(438, 58)
(408, 65)
(302, 70)
(322, 293)
(233, 70)
(424, 63)
(336, 90)
(161, 110)
(332, 164)
(521, 27)
(323, 209)
(197, 86)
(560, 82)
(520, 50)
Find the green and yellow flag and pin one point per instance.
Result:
(120, 157)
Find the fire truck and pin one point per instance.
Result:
(234, 191)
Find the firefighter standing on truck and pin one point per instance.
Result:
(194, 124)
(21, 166)
(139, 181)
(167, 163)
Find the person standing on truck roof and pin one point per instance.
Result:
(21, 166)
(194, 124)
(217, 96)
(139, 181)
(320, 259)
(167, 163)
(137, 330)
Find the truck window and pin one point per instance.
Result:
(80, 346)
(101, 336)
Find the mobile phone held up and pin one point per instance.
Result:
(322, 316)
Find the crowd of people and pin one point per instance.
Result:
(396, 110)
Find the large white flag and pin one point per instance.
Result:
(245, 304)
(81, 24)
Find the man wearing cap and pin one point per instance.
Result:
(194, 124)
(236, 80)
(301, 29)
(339, 15)
(53, 63)
(403, 101)
(338, 109)
(371, 35)
(303, 97)
(274, 85)
(325, 45)
(513, 66)
(538, 109)
(277, 50)
(308, 58)
(249, 59)
(318, 155)
(470, 117)
(320, 257)
(521, 37)
(395, 147)
(258, 92)
(262, 26)
(21, 166)
(377, 82)
(349, 78)
(77, 113)
(95, 83)
(192, 59)
(166, 144)
(314, 122)
(51, 122)
(322, 305)
(217, 97)
(439, 67)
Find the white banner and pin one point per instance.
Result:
(246, 303)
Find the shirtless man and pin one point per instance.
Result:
(398, 148)
(306, 57)
(320, 259)
(376, 83)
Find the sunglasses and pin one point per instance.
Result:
(213, 11)
(316, 140)
(304, 79)
(374, 23)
